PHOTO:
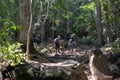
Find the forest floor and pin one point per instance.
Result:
(79, 54)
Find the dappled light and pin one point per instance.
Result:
(59, 40)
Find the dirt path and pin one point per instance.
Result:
(79, 55)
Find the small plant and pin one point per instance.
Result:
(113, 47)
(12, 53)
(116, 46)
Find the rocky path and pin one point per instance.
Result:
(79, 54)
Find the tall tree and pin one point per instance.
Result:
(106, 9)
(42, 23)
(29, 31)
(24, 19)
(98, 21)
(25, 23)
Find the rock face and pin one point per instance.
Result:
(99, 66)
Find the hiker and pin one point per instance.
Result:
(71, 43)
(57, 43)
(37, 40)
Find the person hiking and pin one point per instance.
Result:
(71, 43)
(37, 40)
(57, 44)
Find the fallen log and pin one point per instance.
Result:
(99, 66)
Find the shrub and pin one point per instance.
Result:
(12, 53)
(86, 40)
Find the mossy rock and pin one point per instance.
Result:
(24, 72)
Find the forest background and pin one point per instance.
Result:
(92, 21)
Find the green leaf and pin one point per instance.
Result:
(14, 28)
(12, 1)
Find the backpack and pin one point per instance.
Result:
(71, 41)
(56, 40)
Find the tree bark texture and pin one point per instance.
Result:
(24, 19)
(42, 25)
(99, 67)
(98, 21)
(68, 26)
(35, 55)
(29, 31)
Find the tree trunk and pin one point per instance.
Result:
(35, 54)
(42, 30)
(26, 24)
(53, 30)
(24, 19)
(68, 27)
(29, 31)
(98, 21)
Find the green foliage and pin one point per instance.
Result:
(12, 53)
(116, 46)
(9, 9)
(79, 14)
(87, 40)
(7, 31)
(115, 50)
(83, 16)
(88, 6)
(8, 48)
(14, 27)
